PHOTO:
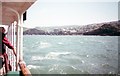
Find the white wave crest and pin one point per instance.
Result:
(37, 58)
(51, 55)
(60, 43)
(44, 44)
(32, 66)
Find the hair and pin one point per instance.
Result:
(2, 29)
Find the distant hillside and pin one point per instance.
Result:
(24, 29)
(33, 32)
(111, 28)
(103, 29)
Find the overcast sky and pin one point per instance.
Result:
(71, 12)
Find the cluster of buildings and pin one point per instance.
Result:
(110, 28)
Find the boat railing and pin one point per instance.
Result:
(11, 37)
(16, 63)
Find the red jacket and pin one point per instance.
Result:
(5, 42)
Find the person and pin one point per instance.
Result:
(4, 42)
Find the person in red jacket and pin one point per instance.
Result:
(4, 42)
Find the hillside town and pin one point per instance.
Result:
(108, 28)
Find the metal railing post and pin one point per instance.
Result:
(17, 46)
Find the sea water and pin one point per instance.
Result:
(45, 54)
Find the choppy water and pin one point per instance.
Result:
(71, 54)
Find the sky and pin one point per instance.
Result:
(46, 13)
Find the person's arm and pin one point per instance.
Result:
(7, 43)
(14, 52)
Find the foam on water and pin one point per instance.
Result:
(50, 55)
(71, 54)
(55, 54)
(37, 58)
(44, 44)
(32, 67)
(60, 43)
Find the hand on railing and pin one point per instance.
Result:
(14, 52)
